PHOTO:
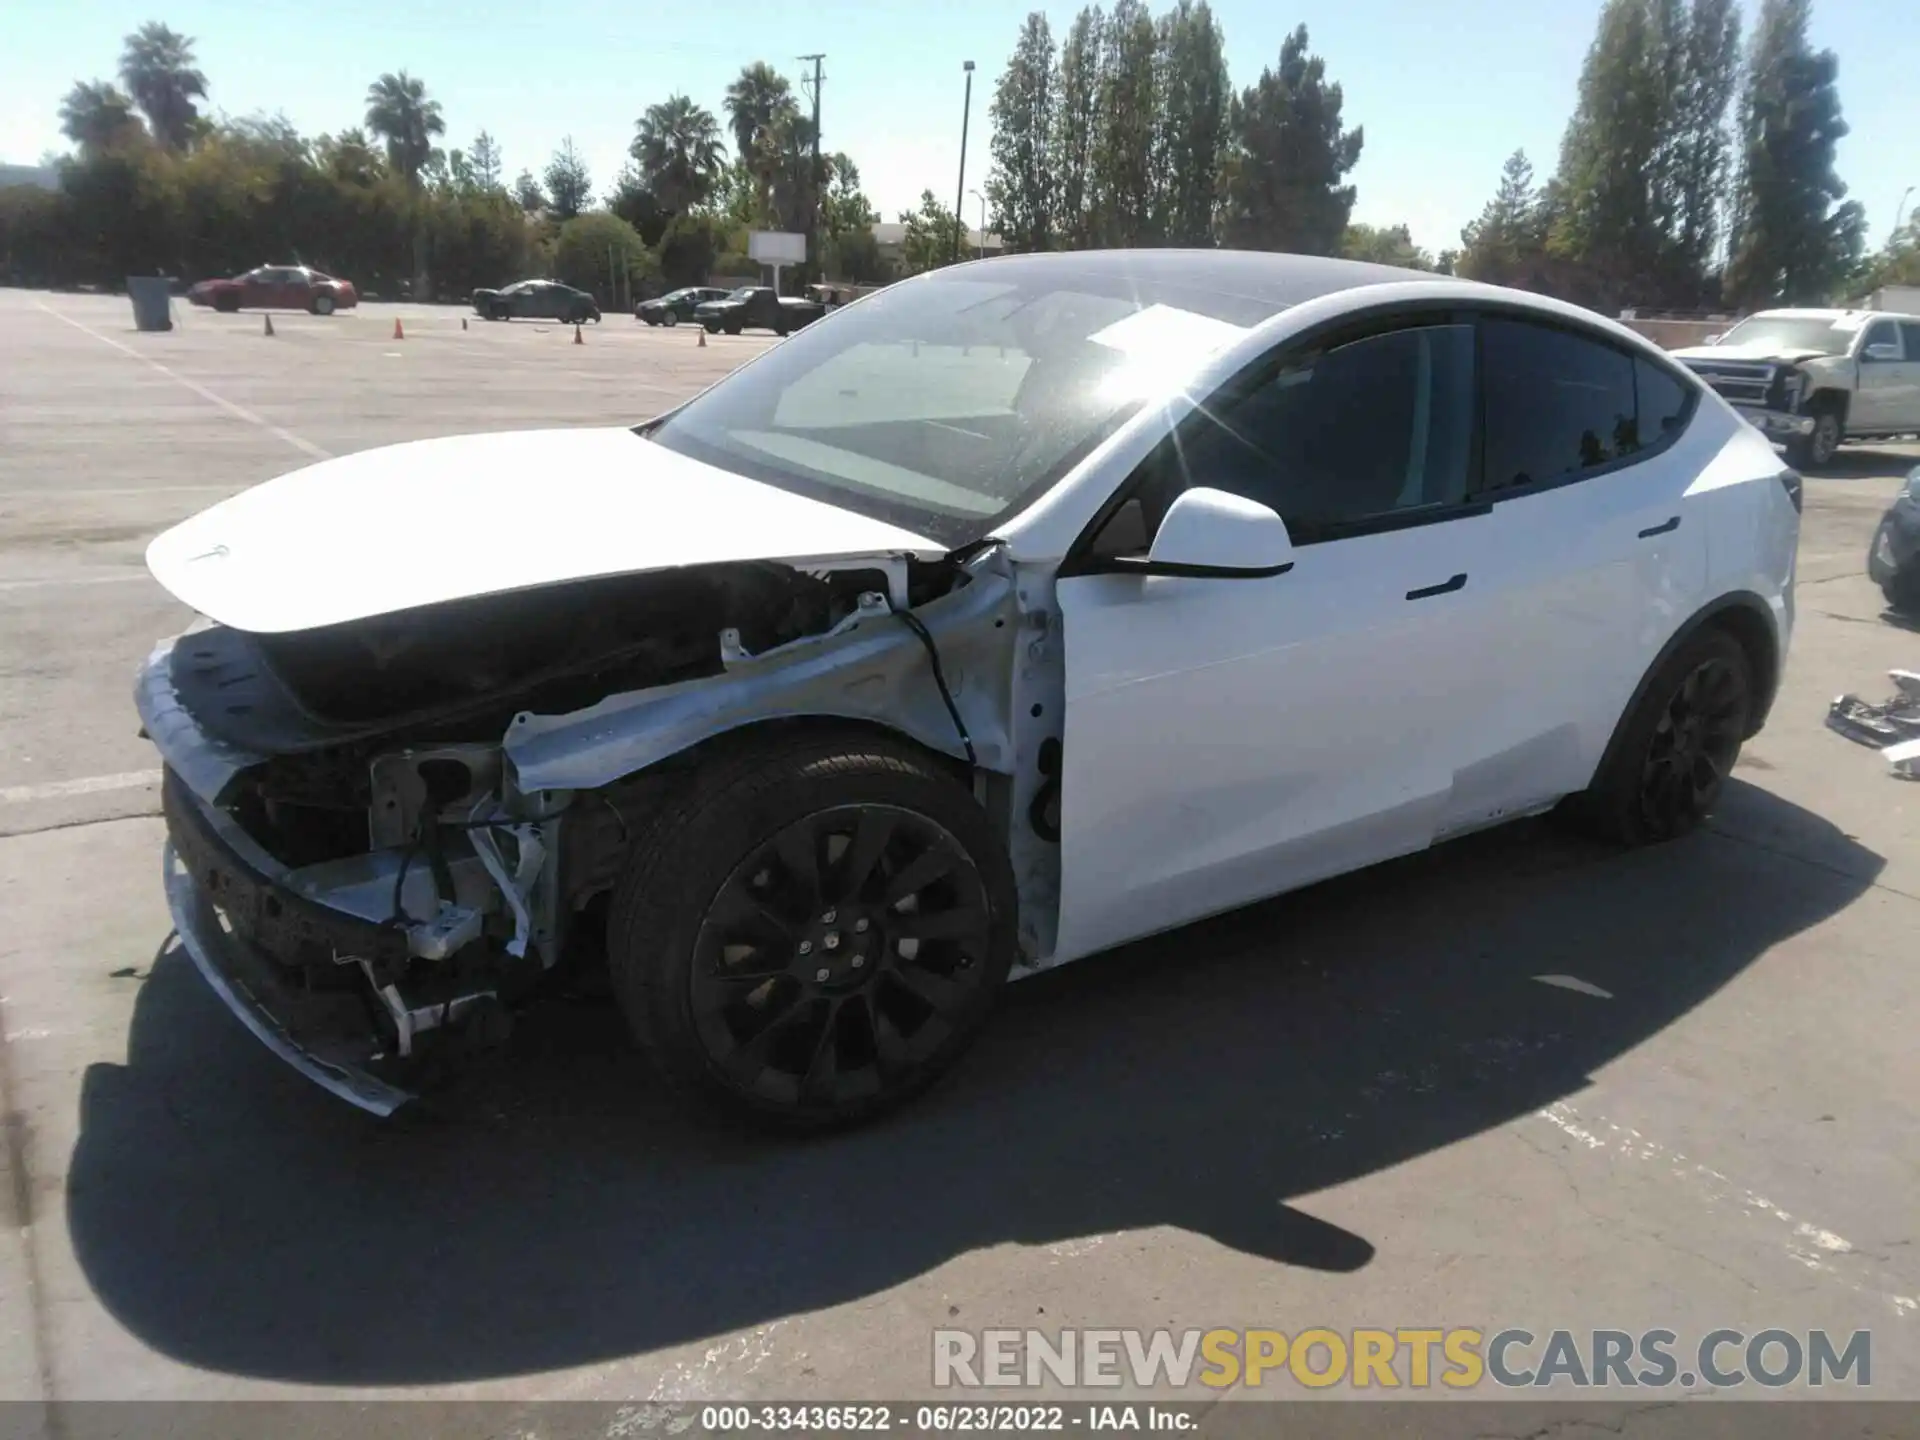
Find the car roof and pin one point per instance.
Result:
(1265, 277)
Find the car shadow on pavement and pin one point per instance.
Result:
(1863, 462)
(236, 1218)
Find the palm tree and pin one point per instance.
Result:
(399, 112)
(96, 116)
(677, 146)
(755, 101)
(157, 64)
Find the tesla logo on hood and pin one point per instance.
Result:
(218, 552)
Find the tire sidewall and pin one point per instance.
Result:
(654, 980)
(1617, 791)
(323, 305)
(1824, 443)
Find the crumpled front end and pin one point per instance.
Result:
(360, 928)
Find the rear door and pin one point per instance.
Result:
(1595, 555)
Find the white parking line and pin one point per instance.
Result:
(87, 785)
(239, 412)
(51, 582)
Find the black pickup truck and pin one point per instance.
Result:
(757, 307)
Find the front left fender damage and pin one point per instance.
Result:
(483, 880)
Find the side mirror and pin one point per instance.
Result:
(1885, 352)
(1210, 534)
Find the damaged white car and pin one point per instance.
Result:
(1012, 613)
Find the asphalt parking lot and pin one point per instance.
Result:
(1519, 1081)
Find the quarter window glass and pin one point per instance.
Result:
(1662, 402)
(1369, 428)
(1556, 404)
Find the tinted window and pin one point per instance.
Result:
(1910, 332)
(1662, 402)
(1556, 403)
(1368, 428)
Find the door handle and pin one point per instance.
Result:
(1458, 582)
(1667, 529)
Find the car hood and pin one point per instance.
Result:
(1748, 353)
(435, 520)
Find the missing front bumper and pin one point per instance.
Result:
(327, 1039)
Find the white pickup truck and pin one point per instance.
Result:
(1813, 378)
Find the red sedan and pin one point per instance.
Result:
(277, 287)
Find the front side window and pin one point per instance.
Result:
(1556, 403)
(1881, 332)
(1343, 436)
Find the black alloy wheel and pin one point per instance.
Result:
(1693, 747)
(840, 956)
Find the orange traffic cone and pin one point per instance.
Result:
(578, 339)
(266, 327)
(398, 333)
(703, 340)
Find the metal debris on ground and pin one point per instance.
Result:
(1892, 728)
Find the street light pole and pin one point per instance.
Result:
(981, 253)
(960, 191)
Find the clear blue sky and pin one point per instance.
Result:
(1445, 91)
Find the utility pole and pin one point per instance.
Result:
(813, 185)
(960, 191)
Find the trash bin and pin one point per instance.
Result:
(152, 297)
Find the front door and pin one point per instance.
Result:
(1228, 739)
(1885, 383)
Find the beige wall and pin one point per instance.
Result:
(1673, 334)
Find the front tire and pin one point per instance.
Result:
(1818, 449)
(669, 320)
(812, 930)
(1675, 750)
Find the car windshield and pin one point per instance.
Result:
(1788, 332)
(946, 403)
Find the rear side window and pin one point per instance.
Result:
(1662, 402)
(1556, 403)
(1910, 335)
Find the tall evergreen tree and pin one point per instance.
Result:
(1794, 239)
(485, 159)
(1077, 127)
(1510, 232)
(1194, 97)
(569, 183)
(1288, 157)
(1121, 174)
(1709, 79)
(1021, 187)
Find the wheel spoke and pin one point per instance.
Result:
(960, 923)
(798, 847)
(939, 993)
(740, 909)
(870, 837)
(823, 1070)
(748, 1057)
(891, 1052)
(921, 873)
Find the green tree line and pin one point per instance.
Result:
(1695, 170)
(156, 186)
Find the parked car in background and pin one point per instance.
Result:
(536, 300)
(1040, 605)
(1810, 379)
(678, 305)
(277, 287)
(757, 307)
(1893, 560)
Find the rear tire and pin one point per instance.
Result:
(1902, 590)
(227, 304)
(669, 320)
(1674, 751)
(773, 978)
(322, 305)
